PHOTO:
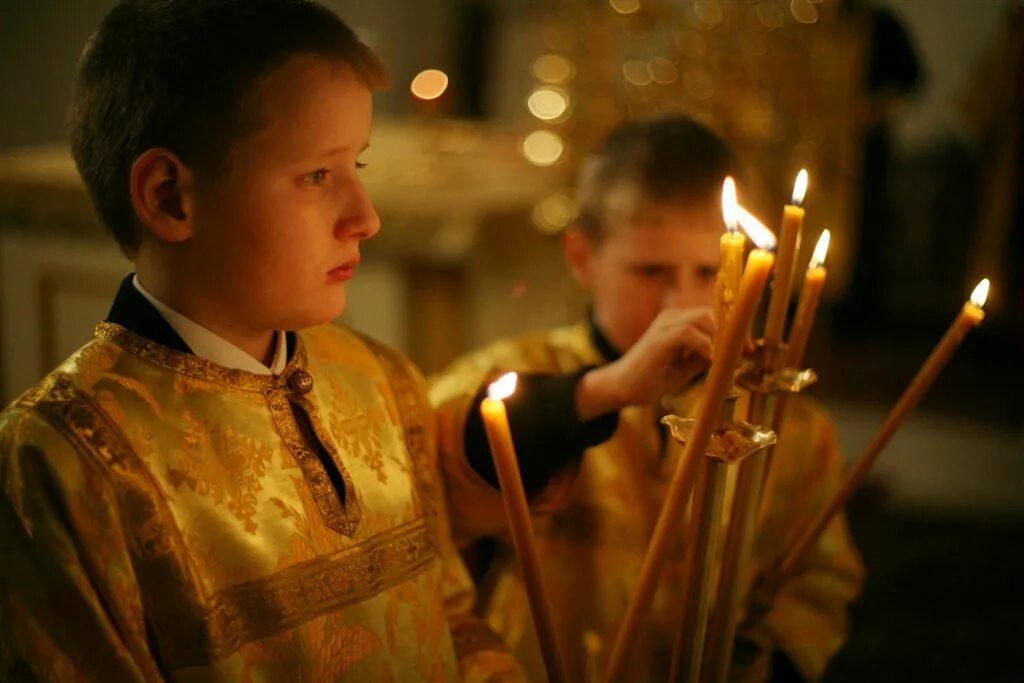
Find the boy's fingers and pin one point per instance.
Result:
(696, 341)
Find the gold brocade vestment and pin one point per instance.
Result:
(593, 525)
(164, 518)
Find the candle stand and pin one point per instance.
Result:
(731, 443)
(767, 379)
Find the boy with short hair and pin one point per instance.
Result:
(646, 246)
(202, 492)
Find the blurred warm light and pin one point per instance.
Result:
(429, 84)
(800, 188)
(804, 11)
(553, 214)
(625, 6)
(820, 250)
(699, 84)
(543, 148)
(637, 72)
(708, 11)
(769, 13)
(548, 103)
(980, 294)
(663, 71)
(552, 68)
(503, 387)
(729, 204)
(757, 231)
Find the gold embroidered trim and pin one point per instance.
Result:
(157, 550)
(194, 366)
(343, 518)
(257, 609)
(276, 389)
(188, 634)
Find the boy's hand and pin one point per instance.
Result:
(670, 354)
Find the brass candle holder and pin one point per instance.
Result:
(733, 441)
(770, 383)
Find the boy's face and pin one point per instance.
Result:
(667, 257)
(277, 237)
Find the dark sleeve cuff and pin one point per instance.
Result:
(547, 433)
(783, 670)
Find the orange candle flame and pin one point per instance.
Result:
(503, 387)
(820, 250)
(980, 293)
(729, 204)
(800, 188)
(758, 233)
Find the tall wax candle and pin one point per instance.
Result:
(789, 243)
(499, 437)
(807, 304)
(970, 317)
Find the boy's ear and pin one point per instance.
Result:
(162, 194)
(578, 250)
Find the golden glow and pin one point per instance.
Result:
(543, 148)
(552, 68)
(800, 188)
(804, 11)
(699, 84)
(820, 250)
(552, 214)
(429, 84)
(625, 6)
(503, 387)
(980, 294)
(548, 103)
(757, 231)
(663, 71)
(729, 204)
(637, 72)
(708, 11)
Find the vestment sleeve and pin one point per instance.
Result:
(70, 606)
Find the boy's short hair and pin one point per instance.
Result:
(180, 74)
(668, 159)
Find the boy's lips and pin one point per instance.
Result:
(346, 271)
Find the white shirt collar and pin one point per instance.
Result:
(213, 347)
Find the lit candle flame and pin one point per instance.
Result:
(818, 258)
(729, 204)
(800, 188)
(758, 233)
(503, 387)
(980, 293)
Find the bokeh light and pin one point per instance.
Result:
(548, 103)
(553, 68)
(542, 147)
(429, 84)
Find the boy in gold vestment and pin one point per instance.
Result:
(199, 493)
(591, 450)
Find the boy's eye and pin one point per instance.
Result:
(317, 177)
(706, 273)
(360, 164)
(653, 272)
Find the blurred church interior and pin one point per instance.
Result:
(909, 116)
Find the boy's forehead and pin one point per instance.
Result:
(689, 222)
(313, 103)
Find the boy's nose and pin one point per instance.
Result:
(359, 219)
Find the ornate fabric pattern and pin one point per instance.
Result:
(163, 518)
